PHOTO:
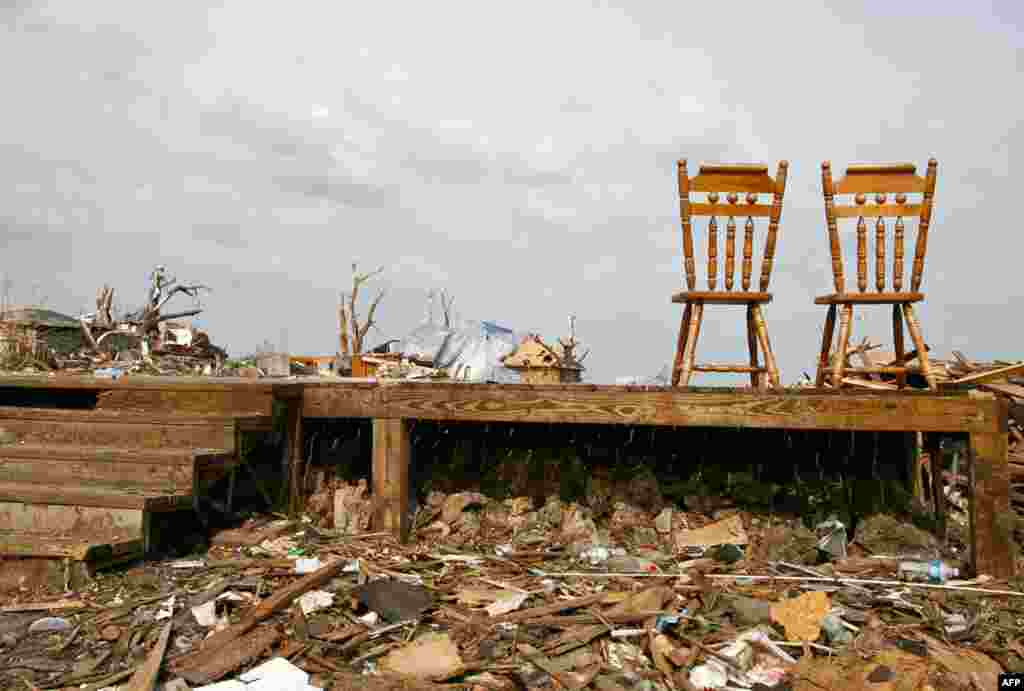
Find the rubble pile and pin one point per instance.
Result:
(492, 595)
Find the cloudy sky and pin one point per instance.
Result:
(520, 155)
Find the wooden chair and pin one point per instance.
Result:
(726, 185)
(881, 180)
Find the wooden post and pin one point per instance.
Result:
(295, 459)
(391, 453)
(990, 515)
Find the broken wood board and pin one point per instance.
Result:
(728, 531)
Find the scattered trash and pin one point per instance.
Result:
(728, 531)
(50, 624)
(832, 538)
(277, 674)
(934, 571)
(315, 600)
(505, 592)
(432, 656)
(304, 566)
(801, 616)
(166, 609)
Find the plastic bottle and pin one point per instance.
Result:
(935, 571)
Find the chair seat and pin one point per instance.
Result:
(721, 297)
(868, 298)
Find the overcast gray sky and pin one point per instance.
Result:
(521, 155)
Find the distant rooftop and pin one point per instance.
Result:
(39, 316)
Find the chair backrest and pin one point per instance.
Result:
(890, 184)
(725, 185)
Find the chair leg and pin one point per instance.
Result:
(914, 327)
(684, 327)
(690, 352)
(752, 338)
(766, 346)
(826, 346)
(845, 322)
(897, 341)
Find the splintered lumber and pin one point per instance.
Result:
(211, 660)
(989, 375)
(146, 675)
(210, 668)
(274, 604)
(548, 610)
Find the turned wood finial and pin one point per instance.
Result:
(897, 257)
(713, 197)
(862, 254)
(732, 197)
(880, 251)
(923, 224)
(751, 197)
(773, 226)
(828, 191)
(880, 198)
(684, 213)
(901, 198)
(730, 251)
(860, 198)
(748, 252)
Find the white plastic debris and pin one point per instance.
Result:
(166, 609)
(506, 604)
(50, 624)
(315, 600)
(304, 566)
(710, 675)
(756, 667)
(188, 564)
(276, 674)
(832, 537)
(206, 613)
(370, 619)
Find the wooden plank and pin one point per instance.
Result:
(145, 676)
(391, 453)
(93, 495)
(110, 524)
(150, 476)
(867, 298)
(990, 515)
(585, 403)
(1013, 390)
(219, 402)
(719, 297)
(281, 389)
(741, 181)
(117, 428)
(989, 376)
(20, 543)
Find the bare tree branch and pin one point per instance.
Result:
(357, 331)
(446, 308)
(342, 325)
(369, 318)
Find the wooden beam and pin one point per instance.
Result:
(991, 519)
(592, 404)
(988, 375)
(145, 676)
(295, 460)
(391, 452)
